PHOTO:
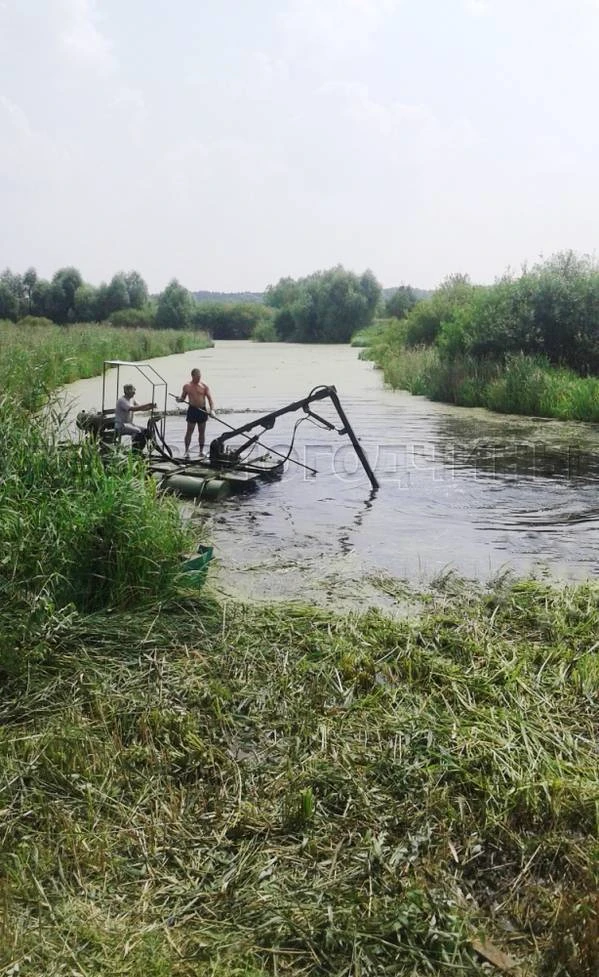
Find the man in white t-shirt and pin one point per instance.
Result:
(125, 408)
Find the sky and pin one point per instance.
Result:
(230, 143)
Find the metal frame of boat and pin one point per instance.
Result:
(228, 468)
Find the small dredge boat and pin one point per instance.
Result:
(229, 467)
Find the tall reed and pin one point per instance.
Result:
(35, 361)
(518, 385)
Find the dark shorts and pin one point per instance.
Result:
(196, 415)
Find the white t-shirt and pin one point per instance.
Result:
(123, 413)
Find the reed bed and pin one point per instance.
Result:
(79, 529)
(525, 385)
(36, 360)
(217, 789)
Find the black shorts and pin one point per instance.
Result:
(196, 415)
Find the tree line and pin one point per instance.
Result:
(327, 306)
(549, 310)
(66, 298)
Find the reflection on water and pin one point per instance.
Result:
(459, 489)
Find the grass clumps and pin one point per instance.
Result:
(269, 790)
(35, 360)
(80, 533)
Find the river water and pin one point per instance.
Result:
(460, 490)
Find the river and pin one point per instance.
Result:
(461, 490)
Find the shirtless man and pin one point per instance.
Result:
(197, 393)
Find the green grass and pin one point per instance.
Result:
(371, 334)
(37, 360)
(205, 789)
(522, 385)
(80, 532)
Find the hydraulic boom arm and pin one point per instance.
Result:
(218, 453)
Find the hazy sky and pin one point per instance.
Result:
(229, 143)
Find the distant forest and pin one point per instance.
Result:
(325, 307)
(229, 298)
(258, 297)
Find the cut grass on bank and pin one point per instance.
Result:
(204, 789)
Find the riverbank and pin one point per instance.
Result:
(204, 788)
(39, 359)
(524, 385)
(525, 345)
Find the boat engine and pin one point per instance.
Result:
(90, 421)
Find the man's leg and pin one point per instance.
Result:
(188, 434)
(202, 435)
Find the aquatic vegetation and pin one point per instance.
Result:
(371, 334)
(521, 385)
(79, 531)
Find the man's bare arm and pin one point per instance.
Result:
(183, 397)
(209, 398)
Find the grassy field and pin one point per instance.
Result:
(192, 788)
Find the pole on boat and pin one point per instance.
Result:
(352, 437)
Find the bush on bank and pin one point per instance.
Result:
(527, 345)
(520, 385)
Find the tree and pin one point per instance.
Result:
(229, 320)
(29, 283)
(116, 295)
(400, 304)
(85, 304)
(326, 307)
(282, 294)
(64, 284)
(137, 290)
(9, 305)
(13, 295)
(175, 308)
(426, 318)
(41, 298)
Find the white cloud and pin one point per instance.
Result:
(478, 8)
(26, 153)
(14, 118)
(339, 26)
(270, 70)
(394, 119)
(81, 36)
